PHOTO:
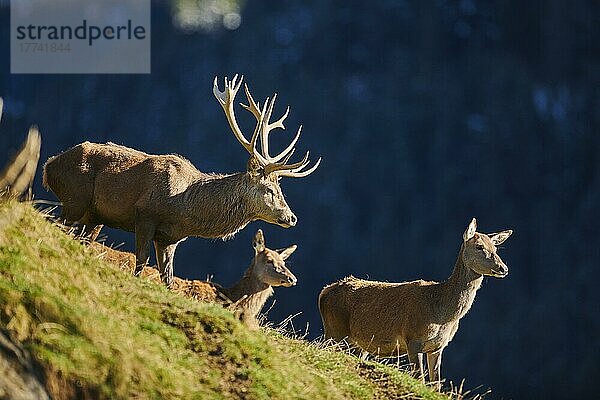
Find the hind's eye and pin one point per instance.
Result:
(479, 247)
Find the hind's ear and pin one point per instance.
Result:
(500, 237)
(471, 229)
(259, 241)
(285, 253)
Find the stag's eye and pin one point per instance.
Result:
(479, 246)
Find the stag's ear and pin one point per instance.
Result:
(285, 253)
(471, 229)
(255, 170)
(259, 242)
(500, 237)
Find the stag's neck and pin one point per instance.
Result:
(458, 292)
(218, 206)
(255, 292)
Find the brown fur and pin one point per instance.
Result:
(417, 317)
(246, 298)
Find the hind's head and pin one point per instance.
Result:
(480, 251)
(269, 265)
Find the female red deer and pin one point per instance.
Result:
(246, 298)
(416, 317)
(164, 198)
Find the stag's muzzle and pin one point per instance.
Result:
(287, 221)
(291, 281)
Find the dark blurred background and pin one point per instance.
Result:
(426, 113)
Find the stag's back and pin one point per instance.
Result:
(82, 163)
(107, 181)
(71, 175)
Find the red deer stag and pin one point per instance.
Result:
(164, 198)
(412, 317)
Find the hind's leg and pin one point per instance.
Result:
(415, 357)
(434, 363)
(335, 326)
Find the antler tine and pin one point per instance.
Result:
(270, 109)
(266, 129)
(283, 167)
(279, 122)
(297, 174)
(226, 99)
(1, 107)
(271, 126)
(259, 128)
(235, 77)
(220, 96)
(252, 106)
(290, 147)
(287, 158)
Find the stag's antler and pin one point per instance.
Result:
(226, 98)
(271, 164)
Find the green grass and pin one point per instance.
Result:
(97, 332)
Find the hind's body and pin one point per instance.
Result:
(375, 316)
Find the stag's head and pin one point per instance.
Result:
(269, 265)
(480, 251)
(264, 171)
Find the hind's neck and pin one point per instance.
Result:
(458, 292)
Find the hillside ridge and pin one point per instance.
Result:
(92, 331)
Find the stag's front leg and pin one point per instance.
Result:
(164, 257)
(143, 234)
(88, 227)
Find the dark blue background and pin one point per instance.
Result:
(426, 113)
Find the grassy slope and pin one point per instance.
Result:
(98, 332)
